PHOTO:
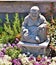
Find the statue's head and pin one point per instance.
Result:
(34, 12)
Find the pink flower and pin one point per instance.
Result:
(36, 63)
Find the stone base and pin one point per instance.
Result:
(35, 49)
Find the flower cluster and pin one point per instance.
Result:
(11, 55)
(31, 60)
(53, 61)
(5, 60)
(13, 50)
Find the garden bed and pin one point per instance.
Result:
(11, 54)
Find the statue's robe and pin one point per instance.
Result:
(34, 30)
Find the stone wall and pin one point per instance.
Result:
(12, 7)
(15, 6)
(22, 7)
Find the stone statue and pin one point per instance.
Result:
(34, 27)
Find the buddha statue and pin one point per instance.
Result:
(34, 27)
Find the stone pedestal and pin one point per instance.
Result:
(35, 49)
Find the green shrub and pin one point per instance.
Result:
(9, 32)
(1, 29)
(13, 52)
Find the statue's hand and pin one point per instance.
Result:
(37, 39)
(42, 26)
(25, 31)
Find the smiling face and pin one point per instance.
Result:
(34, 12)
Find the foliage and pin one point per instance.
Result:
(0, 20)
(13, 52)
(52, 34)
(16, 58)
(1, 29)
(7, 26)
(16, 24)
(4, 38)
(5, 60)
(52, 29)
(10, 31)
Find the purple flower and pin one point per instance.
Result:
(36, 63)
(31, 58)
(13, 44)
(16, 62)
(1, 54)
(9, 44)
(43, 59)
(48, 63)
(18, 45)
(17, 39)
(3, 50)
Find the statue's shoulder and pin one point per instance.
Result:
(27, 17)
(42, 17)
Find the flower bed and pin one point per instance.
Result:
(11, 54)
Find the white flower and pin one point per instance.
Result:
(54, 58)
(53, 63)
(22, 56)
(24, 59)
(5, 60)
(7, 57)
